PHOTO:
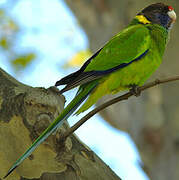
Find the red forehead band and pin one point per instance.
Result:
(170, 8)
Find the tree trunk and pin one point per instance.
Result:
(24, 113)
(151, 119)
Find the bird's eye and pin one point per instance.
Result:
(170, 8)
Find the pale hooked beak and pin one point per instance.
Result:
(172, 15)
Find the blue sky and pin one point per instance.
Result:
(51, 30)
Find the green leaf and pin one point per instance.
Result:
(4, 43)
(22, 61)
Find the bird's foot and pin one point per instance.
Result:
(135, 91)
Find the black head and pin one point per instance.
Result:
(159, 13)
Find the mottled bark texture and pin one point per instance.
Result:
(24, 113)
(152, 119)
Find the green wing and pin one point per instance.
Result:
(125, 47)
(122, 48)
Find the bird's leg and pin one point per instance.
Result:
(134, 90)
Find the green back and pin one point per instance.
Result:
(122, 48)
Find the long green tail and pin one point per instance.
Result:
(72, 106)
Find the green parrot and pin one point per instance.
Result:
(124, 62)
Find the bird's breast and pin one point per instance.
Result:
(135, 73)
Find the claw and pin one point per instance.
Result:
(135, 91)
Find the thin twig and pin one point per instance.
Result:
(115, 100)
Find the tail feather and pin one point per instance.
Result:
(72, 106)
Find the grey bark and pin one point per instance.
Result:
(151, 119)
(24, 113)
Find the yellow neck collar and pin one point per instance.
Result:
(142, 19)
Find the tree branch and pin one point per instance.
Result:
(115, 100)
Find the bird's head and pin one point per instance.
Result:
(158, 13)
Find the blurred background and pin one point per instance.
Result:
(43, 40)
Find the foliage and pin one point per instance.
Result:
(9, 34)
(78, 59)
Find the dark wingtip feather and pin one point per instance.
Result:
(75, 75)
(10, 171)
(57, 83)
